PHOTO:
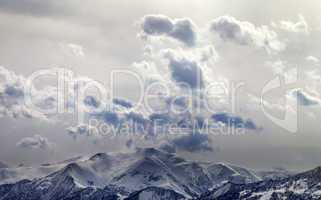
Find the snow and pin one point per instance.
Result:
(299, 186)
(221, 191)
(266, 195)
(134, 171)
(316, 194)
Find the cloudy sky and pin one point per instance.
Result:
(250, 69)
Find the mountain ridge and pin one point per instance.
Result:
(152, 173)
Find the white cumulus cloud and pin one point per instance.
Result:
(245, 33)
(35, 142)
(301, 26)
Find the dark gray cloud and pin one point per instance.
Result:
(184, 70)
(109, 117)
(13, 91)
(167, 147)
(79, 130)
(91, 101)
(305, 99)
(35, 142)
(187, 72)
(180, 102)
(130, 144)
(182, 30)
(193, 143)
(136, 118)
(157, 25)
(123, 102)
(234, 121)
(161, 118)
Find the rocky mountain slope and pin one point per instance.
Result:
(303, 186)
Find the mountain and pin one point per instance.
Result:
(303, 186)
(71, 182)
(157, 168)
(147, 173)
(14, 174)
(223, 172)
(155, 193)
(276, 173)
(64, 190)
(162, 169)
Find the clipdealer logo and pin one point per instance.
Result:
(284, 82)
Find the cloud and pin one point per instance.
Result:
(305, 99)
(182, 30)
(44, 101)
(35, 142)
(91, 101)
(167, 147)
(130, 144)
(72, 50)
(192, 142)
(36, 8)
(148, 71)
(234, 121)
(81, 130)
(76, 49)
(123, 102)
(313, 75)
(246, 33)
(136, 118)
(184, 70)
(312, 59)
(300, 26)
(109, 117)
(160, 118)
(40, 100)
(12, 97)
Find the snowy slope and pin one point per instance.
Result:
(67, 183)
(303, 186)
(150, 172)
(155, 193)
(162, 169)
(122, 174)
(14, 174)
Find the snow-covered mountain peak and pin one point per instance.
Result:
(81, 176)
(72, 168)
(148, 152)
(155, 193)
(160, 171)
(100, 156)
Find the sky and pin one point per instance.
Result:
(74, 71)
